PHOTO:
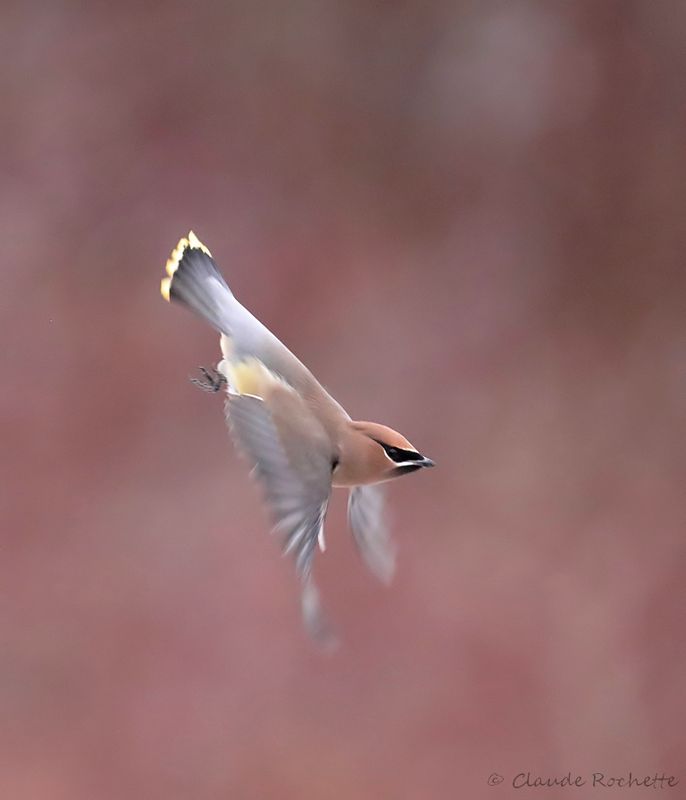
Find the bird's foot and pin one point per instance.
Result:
(212, 380)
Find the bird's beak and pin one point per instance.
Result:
(427, 462)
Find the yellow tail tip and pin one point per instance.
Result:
(194, 242)
(190, 242)
(187, 242)
(175, 258)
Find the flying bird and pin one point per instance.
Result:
(300, 441)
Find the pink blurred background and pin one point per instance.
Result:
(468, 220)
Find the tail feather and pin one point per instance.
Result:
(194, 280)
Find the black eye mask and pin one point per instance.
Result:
(399, 455)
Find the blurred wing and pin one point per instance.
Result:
(297, 484)
(368, 524)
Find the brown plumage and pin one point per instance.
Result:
(299, 439)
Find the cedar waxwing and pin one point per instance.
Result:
(299, 439)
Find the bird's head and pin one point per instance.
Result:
(390, 451)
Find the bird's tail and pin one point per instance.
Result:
(194, 280)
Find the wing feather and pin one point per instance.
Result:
(367, 521)
(291, 458)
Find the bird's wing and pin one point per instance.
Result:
(368, 524)
(292, 458)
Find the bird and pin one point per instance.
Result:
(300, 441)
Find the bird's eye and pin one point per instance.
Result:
(393, 452)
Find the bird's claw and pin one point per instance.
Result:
(212, 380)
